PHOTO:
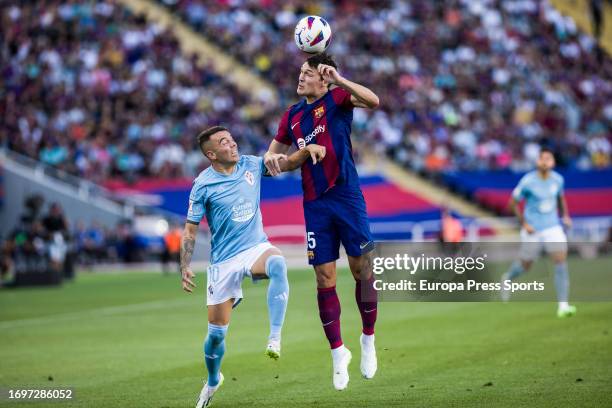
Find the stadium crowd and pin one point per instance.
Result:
(467, 84)
(99, 92)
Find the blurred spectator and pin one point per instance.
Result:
(127, 245)
(6, 262)
(80, 244)
(111, 243)
(95, 242)
(91, 245)
(32, 206)
(55, 221)
(452, 230)
(58, 239)
(28, 245)
(172, 247)
(596, 7)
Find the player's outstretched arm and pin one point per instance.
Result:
(313, 151)
(361, 96)
(187, 246)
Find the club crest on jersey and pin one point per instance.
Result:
(319, 112)
(248, 176)
(310, 254)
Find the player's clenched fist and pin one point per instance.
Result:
(329, 74)
(187, 280)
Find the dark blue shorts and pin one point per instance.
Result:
(339, 215)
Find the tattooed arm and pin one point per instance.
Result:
(187, 245)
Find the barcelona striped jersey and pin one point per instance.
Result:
(326, 122)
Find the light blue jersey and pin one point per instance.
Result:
(541, 197)
(231, 206)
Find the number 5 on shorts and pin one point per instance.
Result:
(312, 243)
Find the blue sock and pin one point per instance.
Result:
(278, 294)
(214, 348)
(515, 270)
(562, 281)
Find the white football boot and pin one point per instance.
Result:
(274, 349)
(369, 363)
(341, 358)
(206, 395)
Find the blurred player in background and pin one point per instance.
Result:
(334, 207)
(227, 192)
(542, 190)
(452, 229)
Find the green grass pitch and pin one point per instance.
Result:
(135, 340)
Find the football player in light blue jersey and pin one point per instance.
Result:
(227, 193)
(542, 190)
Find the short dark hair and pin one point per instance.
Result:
(546, 149)
(322, 58)
(205, 135)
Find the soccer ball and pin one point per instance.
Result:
(313, 34)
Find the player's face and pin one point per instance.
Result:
(310, 81)
(224, 147)
(546, 161)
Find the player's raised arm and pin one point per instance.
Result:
(361, 96)
(187, 246)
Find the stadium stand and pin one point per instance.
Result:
(463, 88)
(99, 92)
(435, 116)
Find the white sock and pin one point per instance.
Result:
(338, 352)
(563, 305)
(367, 340)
